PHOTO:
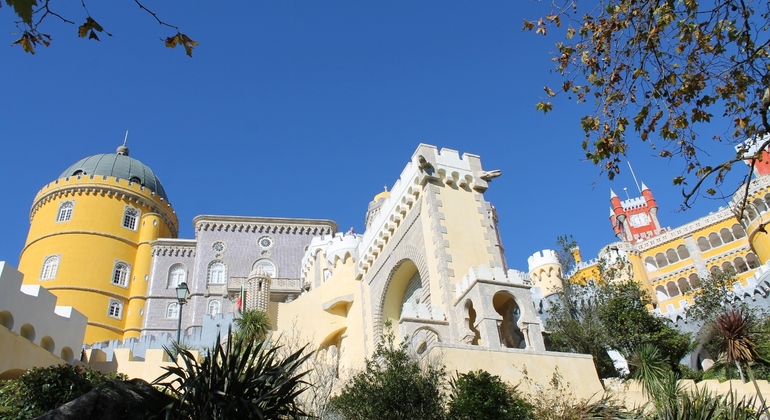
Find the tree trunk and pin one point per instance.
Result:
(761, 411)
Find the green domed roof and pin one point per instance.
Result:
(117, 165)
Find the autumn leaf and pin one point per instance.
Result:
(181, 39)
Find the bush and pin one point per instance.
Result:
(393, 385)
(43, 389)
(480, 395)
(241, 378)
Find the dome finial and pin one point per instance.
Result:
(123, 150)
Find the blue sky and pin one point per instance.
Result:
(307, 109)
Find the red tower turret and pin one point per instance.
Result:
(635, 219)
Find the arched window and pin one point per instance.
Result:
(217, 272)
(714, 240)
(130, 218)
(176, 275)
(661, 260)
(649, 262)
(50, 267)
(671, 256)
(726, 235)
(694, 281)
(759, 204)
(750, 212)
(740, 265)
(660, 293)
(715, 270)
(703, 244)
(115, 309)
(120, 274)
(215, 307)
(172, 310)
(683, 252)
(752, 260)
(727, 267)
(672, 289)
(738, 231)
(683, 285)
(268, 267)
(65, 211)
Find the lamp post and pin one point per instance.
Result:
(182, 293)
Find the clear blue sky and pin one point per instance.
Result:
(307, 109)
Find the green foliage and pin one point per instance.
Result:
(711, 298)
(42, 389)
(393, 385)
(662, 69)
(241, 378)
(252, 325)
(480, 395)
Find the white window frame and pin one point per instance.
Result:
(213, 303)
(115, 309)
(121, 278)
(212, 279)
(172, 310)
(177, 274)
(261, 261)
(64, 214)
(50, 267)
(131, 217)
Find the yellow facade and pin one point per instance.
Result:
(102, 260)
(671, 264)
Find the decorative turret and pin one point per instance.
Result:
(257, 290)
(545, 271)
(634, 219)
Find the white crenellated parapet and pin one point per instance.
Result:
(339, 246)
(496, 274)
(31, 312)
(541, 258)
(427, 163)
(421, 311)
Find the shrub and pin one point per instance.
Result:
(42, 389)
(480, 395)
(241, 378)
(393, 385)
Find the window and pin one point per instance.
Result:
(130, 218)
(267, 267)
(50, 267)
(176, 275)
(173, 310)
(115, 309)
(217, 272)
(215, 307)
(65, 211)
(120, 274)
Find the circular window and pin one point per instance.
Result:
(265, 242)
(218, 246)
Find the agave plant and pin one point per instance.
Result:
(241, 378)
(737, 343)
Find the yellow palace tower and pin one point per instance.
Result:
(89, 240)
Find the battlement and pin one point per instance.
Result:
(31, 312)
(634, 203)
(195, 338)
(427, 163)
(540, 258)
(496, 274)
(339, 246)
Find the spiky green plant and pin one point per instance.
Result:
(738, 345)
(253, 324)
(241, 378)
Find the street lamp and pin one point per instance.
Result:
(182, 293)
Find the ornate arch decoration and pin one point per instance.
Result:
(400, 255)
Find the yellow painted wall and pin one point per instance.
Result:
(91, 243)
(17, 354)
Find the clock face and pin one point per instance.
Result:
(639, 220)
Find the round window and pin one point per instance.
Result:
(265, 242)
(218, 246)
